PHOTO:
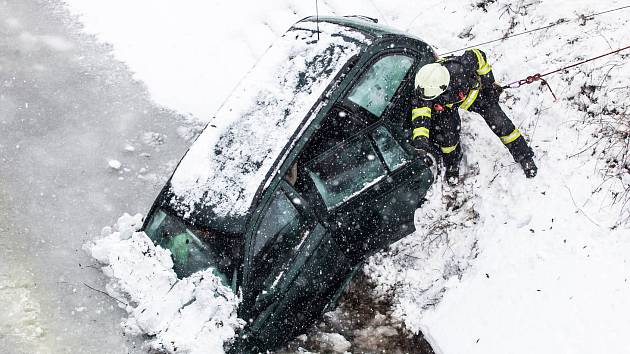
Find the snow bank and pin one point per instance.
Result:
(192, 315)
(543, 266)
(419, 268)
(226, 165)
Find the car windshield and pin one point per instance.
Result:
(191, 250)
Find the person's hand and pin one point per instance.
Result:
(529, 167)
(421, 144)
(498, 89)
(423, 149)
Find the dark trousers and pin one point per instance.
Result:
(447, 126)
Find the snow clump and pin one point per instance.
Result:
(194, 315)
(114, 164)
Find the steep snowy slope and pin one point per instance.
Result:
(501, 264)
(542, 265)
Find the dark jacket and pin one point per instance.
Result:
(470, 73)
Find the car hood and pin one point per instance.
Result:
(245, 141)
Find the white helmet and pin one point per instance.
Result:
(432, 80)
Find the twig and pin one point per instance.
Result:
(106, 294)
(410, 256)
(89, 266)
(379, 12)
(580, 209)
(581, 152)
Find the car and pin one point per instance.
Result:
(304, 172)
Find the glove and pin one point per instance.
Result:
(529, 167)
(422, 145)
(423, 148)
(498, 89)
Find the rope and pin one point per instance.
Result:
(539, 77)
(586, 61)
(317, 11)
(558, 22)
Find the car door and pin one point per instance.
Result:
(372, 183)
(296, 268)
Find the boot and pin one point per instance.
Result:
(523, 154)
(451, 175)
(451, 165)
(529, 167)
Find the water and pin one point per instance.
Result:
(66, 109)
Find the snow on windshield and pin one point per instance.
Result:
(230, 159)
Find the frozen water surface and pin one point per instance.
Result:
(68, 114)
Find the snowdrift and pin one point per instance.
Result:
(192, 315)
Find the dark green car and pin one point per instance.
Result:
(305, 171)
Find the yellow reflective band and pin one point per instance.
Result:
(469, 100)
(480, 60)
(448, 149)
(511, 137)
(450, 105)
(486, 69)
(422, 131)
(420, 112)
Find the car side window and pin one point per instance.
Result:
(338, 126)
(392, 152)
(280, 216)
(281, 232)
(377, 87)
(346, 171)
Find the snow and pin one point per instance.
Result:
(236, 152)
(114, 164)
(501, 265)
(21, 317)
(525, 265)
(200, 50)
(194, 315)
(333, 342)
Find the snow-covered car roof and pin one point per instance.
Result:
(225, 167)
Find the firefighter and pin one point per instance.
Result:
(461, 82)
